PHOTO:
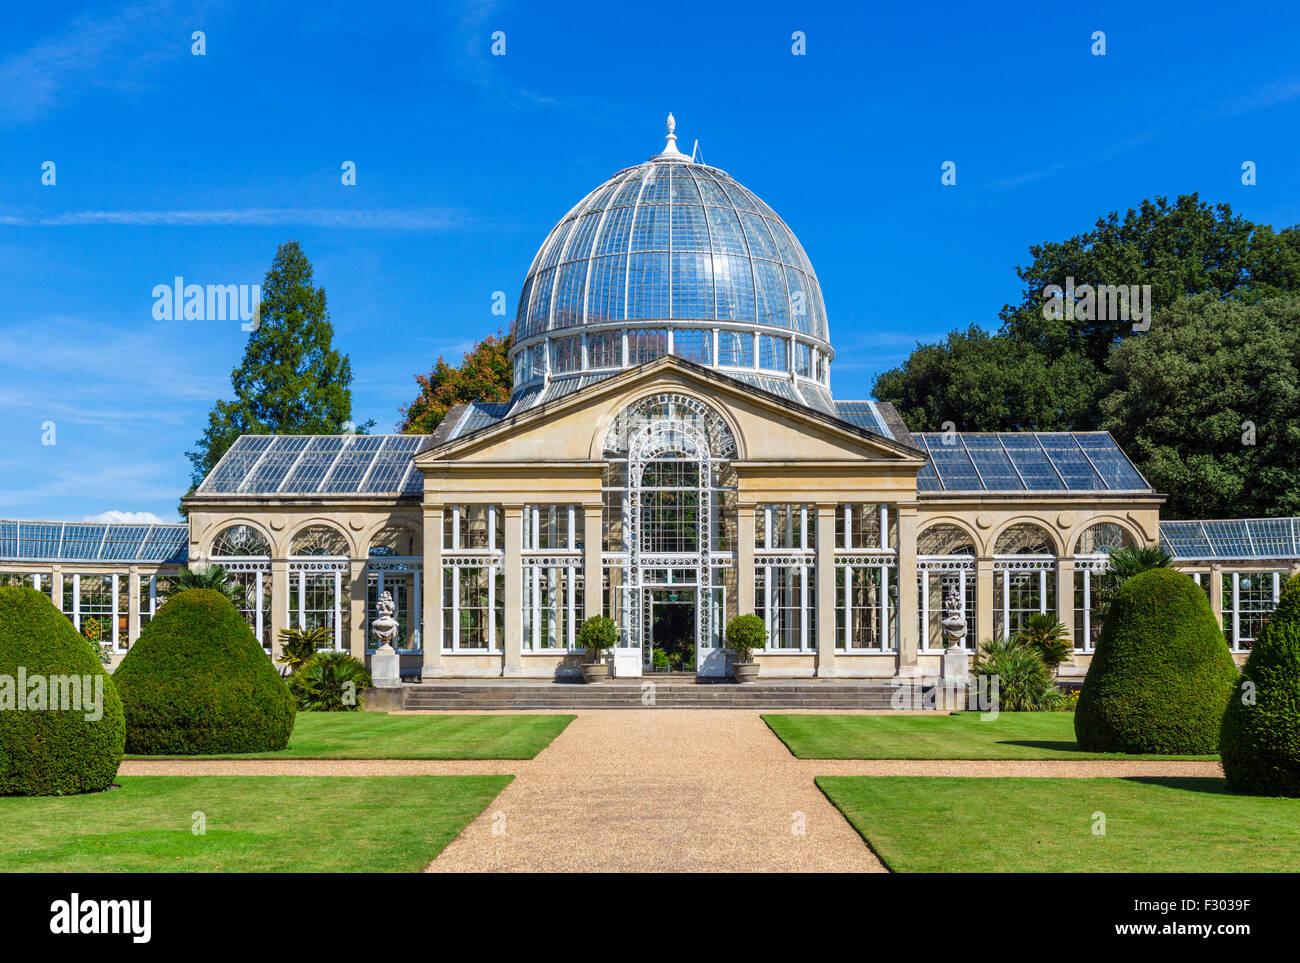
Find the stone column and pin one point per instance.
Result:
(514, 601)
(825, 600)
(592, 571)
(745, 560)
(431, 594)
(984, 600)
(132, 606)
(1065, 595)
(279, 590)
(908, 616)
(1216, 596)
(56, 587)
(356, 621)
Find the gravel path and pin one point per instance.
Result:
(654, 790)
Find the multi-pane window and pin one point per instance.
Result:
(552, 575)
(471, 527)
(1249, 598)
(693, 344)
(786, 526)
(97, 605)
(803, 359)
(945, 563)
(646, 344)
(785, 570)
(154, 591)
(473, 605)
(773, 353)
(869, 618)
(316, 596)
(670, 506)
(566, 354)
(785, 596)
(605, 349)
(1024, 577)
(736, 349)
(869, 526)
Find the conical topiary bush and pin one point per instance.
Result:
(1162, 673)
(47, 751)
(196, 682)
(1260, 739)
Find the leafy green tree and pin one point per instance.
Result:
(291, 378)
(1206, 404)
(984, 382)
(484, 374)
(1050, 374)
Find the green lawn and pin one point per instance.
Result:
(376, 735)
(254, 824)
(1153, 825)
(960, 735)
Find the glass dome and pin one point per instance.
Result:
(671, 256)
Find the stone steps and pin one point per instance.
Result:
(631, 695)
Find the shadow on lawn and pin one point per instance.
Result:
(1212, 785)
(1041, 744)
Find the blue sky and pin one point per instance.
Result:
(172, 164)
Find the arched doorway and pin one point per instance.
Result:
(669, 500)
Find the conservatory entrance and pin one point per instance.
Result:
(672, 629)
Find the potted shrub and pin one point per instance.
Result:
(745, 633)
(597, 635)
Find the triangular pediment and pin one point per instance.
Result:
(767, 428)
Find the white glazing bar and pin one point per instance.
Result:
(1006, 603)
(536, 608)
(257, 595)
(1236, 610)
(417, 608)
(115, 603)
(1042, 591)
(338, 609)
(848, 606)
(803, 527)
(925, 607)
(455, 528)
(848, 528)
(492, 520)
(1086, 642)
(302, 599)
(884, 526)
(455, 606)
(573, 529)
(883, 639)
(76, 601)
(804, 644)
(571, 615)
(1277, 587)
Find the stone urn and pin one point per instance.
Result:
(595, 672)
(745, 671)
(955, 663)
(385, 664)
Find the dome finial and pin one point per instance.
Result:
(671, 146)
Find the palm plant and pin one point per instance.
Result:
(1049, 636)
(1024, 680)
(210, 577)
(330, 682)
(298, 645)
(1124, 564)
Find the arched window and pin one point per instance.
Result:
(241, 541)
(319, 540)
(944, 539)
(1104, 537)
(1025, 538)
(945, 568)
(1024, 576)
(395, 540)
(245, 554)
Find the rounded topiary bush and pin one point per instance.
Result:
(1260, 739)
(197, 682)
(53, 751)
(1162, 673)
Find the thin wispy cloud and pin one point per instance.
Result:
(106, 51)
(427, 219)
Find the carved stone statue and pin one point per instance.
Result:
(954, 622)
(385, 627)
